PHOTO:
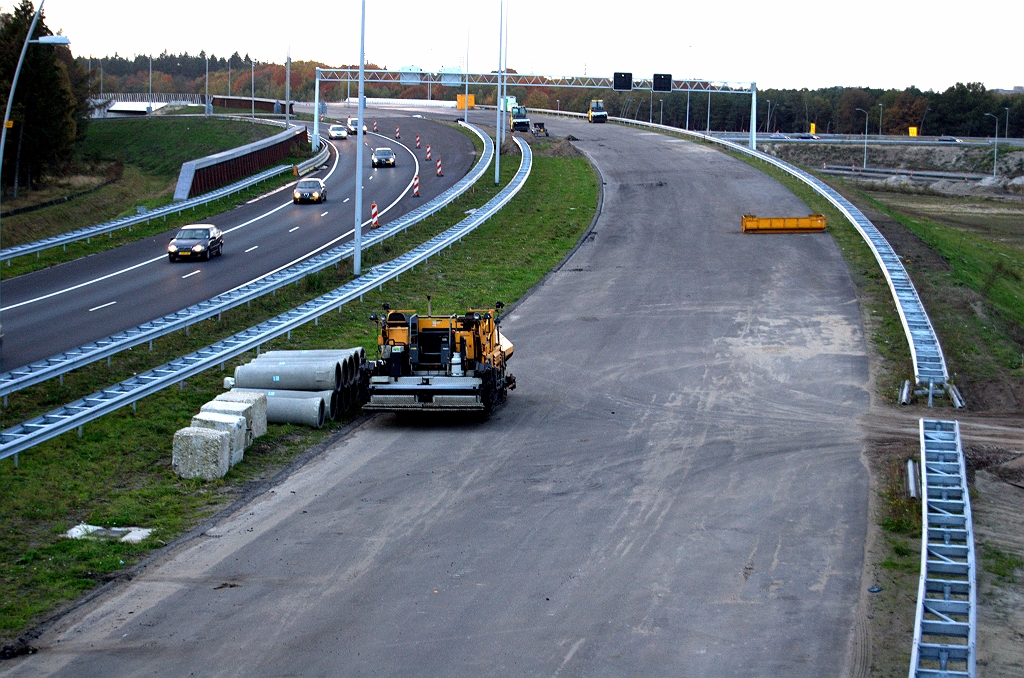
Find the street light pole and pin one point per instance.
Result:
(252, 87)
(865, 165)
(661, 117)
(497, 112)
(768, 122)
(357, 254)
(1006, 132)
(880, 110)
(206, 101)
(43, 40)
(995, 149)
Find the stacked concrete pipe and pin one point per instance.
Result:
(332, 400)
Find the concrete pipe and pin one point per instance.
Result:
(301, 411)
(291, 376)
(332, 399)
(355, 357)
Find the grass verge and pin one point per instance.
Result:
(119, 472)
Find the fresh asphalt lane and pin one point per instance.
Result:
(674, 488)
(66, 306)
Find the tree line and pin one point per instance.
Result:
(51, 106)
(959, 110)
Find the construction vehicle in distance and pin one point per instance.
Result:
(539, 130)
(518, 120)
(596, 112)
(454, 363)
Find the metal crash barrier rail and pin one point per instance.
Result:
(23, 436)
(61, 363)
(945, 626)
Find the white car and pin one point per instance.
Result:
(353, 126)
(337, 132)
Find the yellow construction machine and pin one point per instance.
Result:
(453, 363)
(596, 112)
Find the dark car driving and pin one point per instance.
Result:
(382, 157)
(197, 241)
(309, 190)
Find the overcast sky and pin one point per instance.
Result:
(894, 43)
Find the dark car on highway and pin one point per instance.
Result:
(382, 157)
(309, 190)
(806, 135)
(197, 241)
(951, 140)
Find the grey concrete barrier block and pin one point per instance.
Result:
(229, 383)
(201, 453)
(258, 423)
(235, 408)
(235, 425)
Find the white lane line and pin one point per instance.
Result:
(154, 259)
(346, 199)
(324, 214)
(252, 248)
(189, 275)
(96, 308)
(292, 230)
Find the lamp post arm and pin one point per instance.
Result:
(14, 82)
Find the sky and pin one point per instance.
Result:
(780, 44)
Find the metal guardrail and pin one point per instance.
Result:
(930, 368)
(88, 232)
(945, 626)
(23, 436)
(61, 363)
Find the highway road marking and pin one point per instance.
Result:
(371, 176)
(324, 214)
(346, 199)
(96, 308)
(648, 134)
(154, 259)
(189, 275)
(252, 248)
(290, 230)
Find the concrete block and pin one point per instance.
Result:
(201, 453)
(235, 425)
(259, 408)
(235, 408)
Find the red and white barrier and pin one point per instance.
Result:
(373, 216)
(439, 173)
(374, 125)
(398, 132)
(416, 186)
(428, 151)
(417, 141)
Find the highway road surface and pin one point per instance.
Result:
(68, 305)
(674, 489)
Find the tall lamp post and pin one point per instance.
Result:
(1006, 132)
(661, 116)
(43, 40)
(865, 164)
(881, 109)
(995, 149)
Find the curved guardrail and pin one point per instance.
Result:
(61, 363)
(929, 364)
(88, 232)
(23, 436)
(945, 626)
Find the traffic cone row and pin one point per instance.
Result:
(428, 151)
(398, 132)
(417, 141)
(439, 173)
(374, 125)
(416, 186)
(373, 216)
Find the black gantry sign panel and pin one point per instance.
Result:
(662, 82)
(622, 82)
